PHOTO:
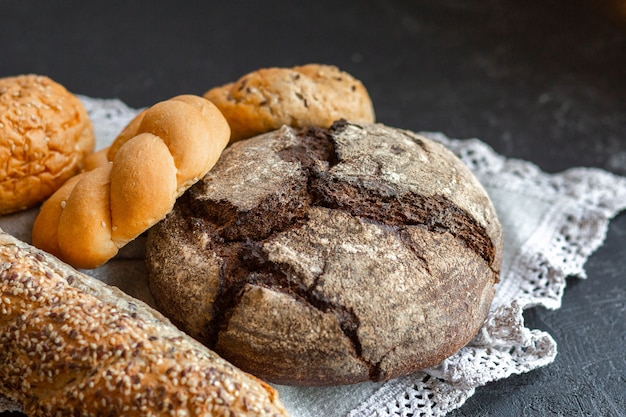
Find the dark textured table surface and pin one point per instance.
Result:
(540, 80)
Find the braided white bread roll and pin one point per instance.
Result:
(161, 153)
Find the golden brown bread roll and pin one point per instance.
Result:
(160, 154)
(307, 95)
(45, 133)
(72, 345)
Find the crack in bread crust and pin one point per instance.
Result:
(237, 235)
(316, 155)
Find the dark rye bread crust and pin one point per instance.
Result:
(316, 256)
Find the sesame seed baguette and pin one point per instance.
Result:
(72, 345)
(158, 156)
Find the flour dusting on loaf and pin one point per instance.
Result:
(330, 256)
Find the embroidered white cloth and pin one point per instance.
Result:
(552, 223)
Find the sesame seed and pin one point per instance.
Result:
(67, 331)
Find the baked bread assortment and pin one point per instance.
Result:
(45, 134)
(307, 95)
(160, 154)
(320, 248)
(330, 256)
(71, 345)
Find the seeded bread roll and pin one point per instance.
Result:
(160, 154)
(308, 95)
(335, 256)
(71, 345)
(45, 134)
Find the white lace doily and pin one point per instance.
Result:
(552, 223)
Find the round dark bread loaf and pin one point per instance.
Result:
(330, 256)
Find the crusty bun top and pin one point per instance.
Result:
(45, 133)
(307, 95)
